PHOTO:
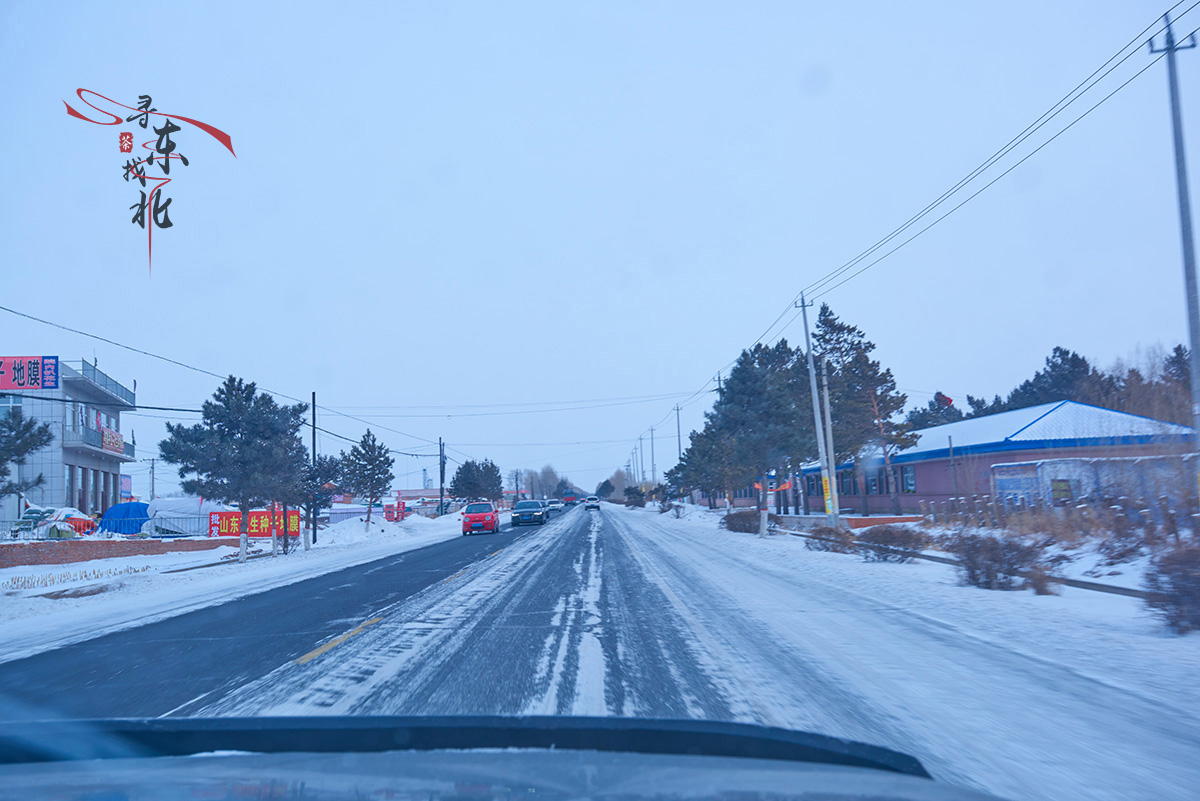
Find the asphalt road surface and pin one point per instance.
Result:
(508, 623)
(172, 666)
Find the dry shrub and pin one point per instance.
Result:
(828, 538)
(746, 522)
(1174, 580)
(1039, 579)
(890, 543)
(993, 563)
(1122, 545)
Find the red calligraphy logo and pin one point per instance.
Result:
(126, 142)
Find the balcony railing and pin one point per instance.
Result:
(86, 436)
(89, 436)
(100, 379)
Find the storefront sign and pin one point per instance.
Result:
(28, 372)
(229, 524)
(111, 440)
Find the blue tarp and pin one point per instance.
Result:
(125, 518)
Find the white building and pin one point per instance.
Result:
(82, 465)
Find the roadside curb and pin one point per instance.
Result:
(217, 564)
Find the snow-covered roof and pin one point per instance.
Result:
(1059, 424)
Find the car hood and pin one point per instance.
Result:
(451, 758)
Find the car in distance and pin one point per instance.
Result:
(592, 502)
(555, 505)
(480, 517)
(529, 513)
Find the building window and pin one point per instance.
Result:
(908, 478)
(810, 485)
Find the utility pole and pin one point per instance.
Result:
(1185, 222)
(830, 512)
(833, 490)
(310, 538)
(152, 479)
(641, 462)
(442, 477)
(653, 468)
(678, 435)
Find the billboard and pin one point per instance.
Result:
(28, 372)
(111, 440)
(229, 524)
(126, 487)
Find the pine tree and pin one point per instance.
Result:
(320, 482)
(232, 455)
(491, 483)
(367, 471)
(465, 483)
(19, 437)
(863, 397)
(605, 488)
(939, 411)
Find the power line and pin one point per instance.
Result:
(200, 370)
(1068, 99)
(1071, 97)
(984, 188)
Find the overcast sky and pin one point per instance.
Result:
(440, 210)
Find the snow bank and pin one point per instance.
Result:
(49, 606)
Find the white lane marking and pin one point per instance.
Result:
(185, 703)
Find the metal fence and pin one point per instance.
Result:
(158, 527)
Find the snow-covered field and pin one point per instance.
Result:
(115, 594)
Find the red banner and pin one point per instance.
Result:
(229, 524)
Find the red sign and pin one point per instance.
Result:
(111, 440)
(229, 524)
(126, 142)
(28, 372)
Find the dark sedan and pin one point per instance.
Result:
(528, 513)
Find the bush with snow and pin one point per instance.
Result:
(890, 543)
(994, 563)
(746, 522)
(828, 538)
(1174, 578)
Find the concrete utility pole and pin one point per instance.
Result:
(678, 434)
(641, 462)
(442, 478)
(830, 512)
(832, 454)
(310, 533)
(1185, 221)
(653, 467)
(152, 479)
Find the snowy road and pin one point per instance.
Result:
(630, 613)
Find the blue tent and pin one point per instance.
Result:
(125, 518)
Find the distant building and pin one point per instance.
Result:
(82, 465)
(955, 460)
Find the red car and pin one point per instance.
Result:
(480, 517)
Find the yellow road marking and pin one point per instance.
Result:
(456, 575)
(311, 655)
(493, 553)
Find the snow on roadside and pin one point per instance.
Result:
(106, 595)
(1079, 695)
